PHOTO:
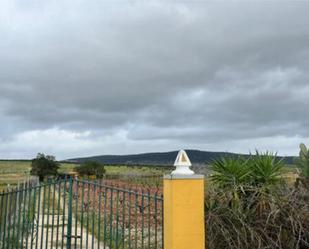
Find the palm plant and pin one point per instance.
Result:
(247, 180)
(265, 169)
(231, 172)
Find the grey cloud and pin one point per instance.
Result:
(159, 70)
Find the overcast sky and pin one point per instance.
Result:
(80, 78)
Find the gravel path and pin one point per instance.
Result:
(49, 231)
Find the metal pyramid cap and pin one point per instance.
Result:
(182, 159)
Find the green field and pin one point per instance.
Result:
(12, 172)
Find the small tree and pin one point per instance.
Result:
(91, 168)
(44, 165)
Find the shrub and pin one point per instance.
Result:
(90, 168)
(277, 220)
(43, 166)
(249, 206)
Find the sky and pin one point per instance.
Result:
(81, 78)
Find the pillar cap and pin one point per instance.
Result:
(182, 164)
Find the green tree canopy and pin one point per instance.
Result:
(44, 165)
(91, 168)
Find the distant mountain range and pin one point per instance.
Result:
(197, 157)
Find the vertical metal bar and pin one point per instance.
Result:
(9, 222)
(149, 217)
(69, 227)
(156, 220)
(53, 214)
(1, 211)
(24, 216)
(20, 200)
(4, 220)
(14, 217)
(58, 213)
(28, 214)
(28, 220)
(111, 219)
(63, 211)
(136, 217)
(99, 219)
(129, 222)
(11, 218)
(117, 218)
(38, 223)
(142, 210)
(123, 217)
(16, 239)
(87, 224)
(105, 215)
(33, 214)
(43, 216)
(1, 219)
(76, 211)
(93, 214)
(48, 210)
(82, 215)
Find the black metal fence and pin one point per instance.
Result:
(72, 213)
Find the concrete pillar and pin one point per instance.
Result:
(184, 222)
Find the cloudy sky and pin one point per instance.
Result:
(81, 78)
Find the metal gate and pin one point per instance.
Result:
(80, 214)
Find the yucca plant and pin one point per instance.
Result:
(266, 169)
(247, 178)
(231, 172)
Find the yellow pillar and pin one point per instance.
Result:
(184, 223)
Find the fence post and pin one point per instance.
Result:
(184, 207)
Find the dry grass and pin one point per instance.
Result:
(257, 219)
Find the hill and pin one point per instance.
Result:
(197, 157)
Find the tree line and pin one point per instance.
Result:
(46, 165)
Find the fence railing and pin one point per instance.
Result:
(72, 213)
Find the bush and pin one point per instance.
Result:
(91, 168)
(249, 206)
(278, 220)
(43, 166)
